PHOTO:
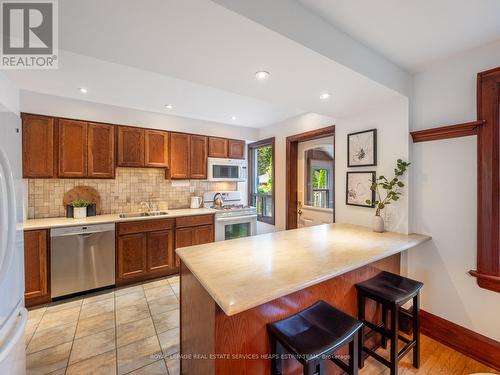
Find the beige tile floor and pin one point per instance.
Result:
(130, 330)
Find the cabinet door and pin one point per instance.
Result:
(131, 256)
(72, 148)
(179, 155)
(130, 147)
(199, 154)
(101, 151)
(236, 149)
(156, 153)
(36, 261)
(38, 146)
(160, 250)
(183, 237)
(203, 234)
(217, 147)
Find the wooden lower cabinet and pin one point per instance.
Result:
(190, 236)
(145, 250)
(131, 259)
(36, 267)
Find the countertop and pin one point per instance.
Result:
(56, 222)
(244, 273)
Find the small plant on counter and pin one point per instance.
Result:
(392, 189)
(79, 203)
(79, 208)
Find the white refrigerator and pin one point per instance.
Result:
(13, 315)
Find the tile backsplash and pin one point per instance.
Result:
(123, 194)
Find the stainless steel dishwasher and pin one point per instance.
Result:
(82, 258)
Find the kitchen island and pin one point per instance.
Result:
(231, 289)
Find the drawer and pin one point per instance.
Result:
(191, 221)
(145, 226)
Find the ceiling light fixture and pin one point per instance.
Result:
(324, 96)
(83, 90)
(233, 118)
(262, 75)
(169, 106)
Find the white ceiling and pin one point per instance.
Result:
(414, 33)
(200, 57)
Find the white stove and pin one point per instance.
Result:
(233, 219)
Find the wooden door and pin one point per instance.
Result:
(131, 256)
(72, 148)
(203, 234)
(36, 265)
(160, 251)
(101, 151)
(183, 237)
(38, 146)
(217, 147)
(156, 148)
(130, 147)
(179, 155)
(236, 149)
(199, 154)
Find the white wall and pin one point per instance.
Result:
(392, 124)
(33, 102)
(9, 94)
(393, 143)
(444, 194)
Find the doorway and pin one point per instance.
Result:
(315, 182)
(310, 178)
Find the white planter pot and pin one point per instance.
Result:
(378, 224)
(79, 212)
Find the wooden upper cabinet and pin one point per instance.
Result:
(217, 147)
(101, 151)
(236, 149)
(130, 147)
(72, 148)
(179, 155)
(36, 265)
(38, 146)
(199, 154)
(156, 148)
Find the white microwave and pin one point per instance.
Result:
(227, 169)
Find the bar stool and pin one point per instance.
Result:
(391, 291)
(312, 336)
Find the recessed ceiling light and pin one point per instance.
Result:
(262, 75)
(83, 90)
(233, 118)
(324, 96)
(169, 106)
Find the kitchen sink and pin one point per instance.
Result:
(142, 214)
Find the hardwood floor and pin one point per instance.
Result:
(435, 359)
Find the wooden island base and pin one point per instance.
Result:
(215, 343)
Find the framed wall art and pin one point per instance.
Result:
(362, 149)
(358, 188)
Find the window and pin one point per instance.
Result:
(319, 178)
(261, 179)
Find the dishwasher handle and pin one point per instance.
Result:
(82, 230)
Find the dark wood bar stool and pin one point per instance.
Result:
(313, 336)
(391, 291)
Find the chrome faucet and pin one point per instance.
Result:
(149, 205)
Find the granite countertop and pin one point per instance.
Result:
(244, 273)
(56, 222)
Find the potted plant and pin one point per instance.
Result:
(392, 189)
(79, 208)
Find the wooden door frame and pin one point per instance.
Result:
(292, 146)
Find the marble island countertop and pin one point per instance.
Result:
(56, 222)
(244, 273)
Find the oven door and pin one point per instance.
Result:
(228, 228)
